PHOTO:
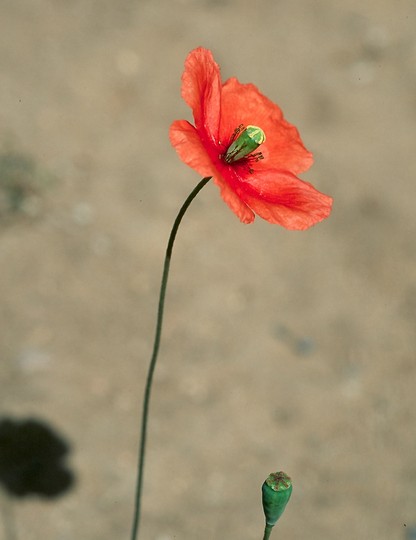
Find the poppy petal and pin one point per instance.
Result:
(282, 198)
(187, 143)
(235, 203)
(201, 89)
(283, 148)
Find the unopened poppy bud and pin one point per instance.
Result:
(248, 140)
(276, 490)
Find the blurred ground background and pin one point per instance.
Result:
(281, 350)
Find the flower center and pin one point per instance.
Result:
(243, 142)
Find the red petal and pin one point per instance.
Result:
(185, 139)
(282, 198)
(234, 202)
(201, 89)
(244, 104)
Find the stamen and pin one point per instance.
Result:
(236, 133)
(257, 156)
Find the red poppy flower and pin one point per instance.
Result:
(231, 121)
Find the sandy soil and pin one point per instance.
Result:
(281, 350)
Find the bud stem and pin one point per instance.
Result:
(267, 532)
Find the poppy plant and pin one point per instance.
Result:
(241, 140)
(232, 121)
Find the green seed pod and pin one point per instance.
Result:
(249, 139)
(276, 490)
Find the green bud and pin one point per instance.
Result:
(276, 490)
(248, 140)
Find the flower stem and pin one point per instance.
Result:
(267, 532)
(152, 364)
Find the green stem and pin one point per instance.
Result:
(152, 364)
(267, 532)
